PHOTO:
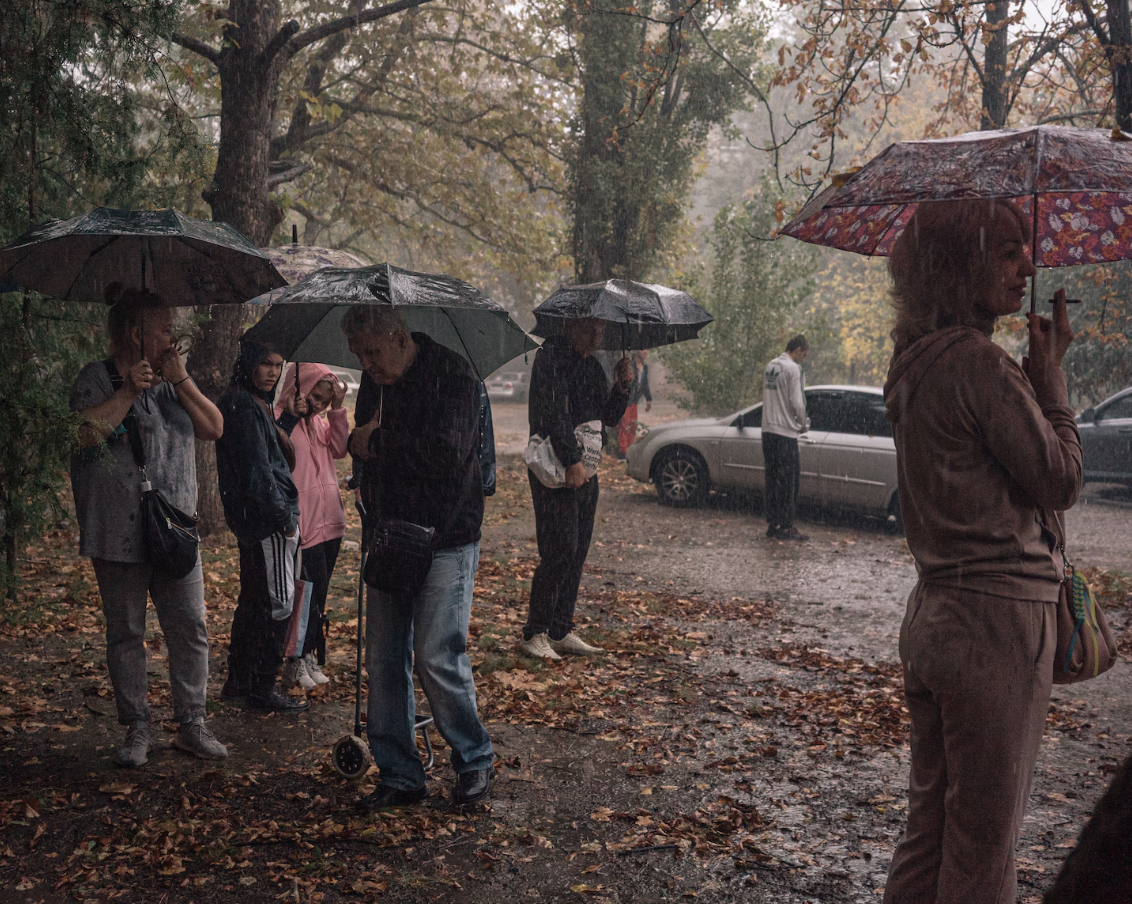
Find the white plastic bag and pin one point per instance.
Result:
(544, 464)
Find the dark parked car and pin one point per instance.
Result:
(1106, 439)
(847, 455)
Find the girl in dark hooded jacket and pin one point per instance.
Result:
(261, 507)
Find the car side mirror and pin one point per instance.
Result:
(1088, 415)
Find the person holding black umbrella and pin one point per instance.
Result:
(142, 389)
(568, 388)
(417, 435)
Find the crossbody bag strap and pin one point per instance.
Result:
(130, 423)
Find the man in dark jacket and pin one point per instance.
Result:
(418, 434)
(568, 388)
(261, 507)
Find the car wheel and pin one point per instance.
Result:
(895, 523)
(681, 478)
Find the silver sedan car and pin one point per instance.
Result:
(847, 455)
(1106, 439)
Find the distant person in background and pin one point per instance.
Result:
(784, 420)
(568, 388)
(253, 463)
(318, 440)
(142, 388)
(627, 427)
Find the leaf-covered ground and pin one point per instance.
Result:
(724, 748)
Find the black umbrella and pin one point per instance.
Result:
(185, 261)
(304, 322)
(645, 315)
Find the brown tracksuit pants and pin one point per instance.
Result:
(977, 676)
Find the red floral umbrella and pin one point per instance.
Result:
(1074, 184)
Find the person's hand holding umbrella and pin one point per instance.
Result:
(298, 406)
(1049, 341)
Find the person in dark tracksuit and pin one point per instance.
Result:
(568, 388)
(262, 510)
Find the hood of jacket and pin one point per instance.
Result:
(309, 376)
(909, 366)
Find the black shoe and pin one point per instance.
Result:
(234, 689)
(794, 534)
(472, 787)
(384, 797)
(273, 701)
(775, 533)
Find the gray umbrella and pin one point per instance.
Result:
(641, 315)
(304, 321)
(186, 261)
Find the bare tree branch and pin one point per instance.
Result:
(321, 32)
(198, 47)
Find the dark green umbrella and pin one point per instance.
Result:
(185, 261)
(641, 315)
(304, 322)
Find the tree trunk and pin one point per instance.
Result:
(994, 67)
(1120, 60)
(239, 196)
(606, 211)
(211, 366)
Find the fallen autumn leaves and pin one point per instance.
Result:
(662, 769)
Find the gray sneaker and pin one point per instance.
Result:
(135, 750)
(194, 738)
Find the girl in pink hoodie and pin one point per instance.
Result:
(318, 441)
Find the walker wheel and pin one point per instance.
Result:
(352, 757)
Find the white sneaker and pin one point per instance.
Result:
(539, 647)
(295, 672)
(573, 645)
(315, 670)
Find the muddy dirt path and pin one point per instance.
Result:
(742, 740)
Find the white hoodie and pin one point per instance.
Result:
(784, 405)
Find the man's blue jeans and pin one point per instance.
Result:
(431, 626)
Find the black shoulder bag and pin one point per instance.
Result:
(170, 536)
(400, 552)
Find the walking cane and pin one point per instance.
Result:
(352, 756)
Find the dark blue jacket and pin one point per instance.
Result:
(259, 496)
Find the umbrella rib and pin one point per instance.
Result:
(463, 344)
(90, 257)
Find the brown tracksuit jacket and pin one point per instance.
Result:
(984, 459)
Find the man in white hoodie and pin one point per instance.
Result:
(784, 420)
